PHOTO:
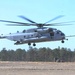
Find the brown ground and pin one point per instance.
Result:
(36, 68)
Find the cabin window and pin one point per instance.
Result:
(35, 30)
(17, 31)
(24, 36)
(31, 35)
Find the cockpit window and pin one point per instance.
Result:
(62, 34)
(58, 31)
(54, 30)
(50, 30)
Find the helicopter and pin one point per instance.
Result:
(35, 35)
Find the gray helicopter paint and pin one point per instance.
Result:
(33, 37)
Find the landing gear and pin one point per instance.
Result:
(30, 47)
(30, 44)
(62, 41)
(34, 44)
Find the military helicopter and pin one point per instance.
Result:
(35, 35)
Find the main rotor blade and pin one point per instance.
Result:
(23, 17)
(11, 22)
(17, 23)
(64, 22)
(70, 36)
(26, 24)
(54, 18)
(60, 24)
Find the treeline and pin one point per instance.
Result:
(41, 54)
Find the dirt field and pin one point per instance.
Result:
(36, 68)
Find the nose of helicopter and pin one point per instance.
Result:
(62, 35)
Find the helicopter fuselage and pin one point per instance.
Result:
(35, 35)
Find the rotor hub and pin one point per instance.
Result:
(40, 25)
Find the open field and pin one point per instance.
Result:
(36, 68)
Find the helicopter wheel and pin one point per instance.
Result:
(34, 44)
(62, 41)
(29, 44)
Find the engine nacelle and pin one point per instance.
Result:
(46, 30)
